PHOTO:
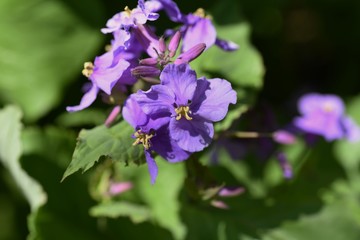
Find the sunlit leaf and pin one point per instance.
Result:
(114, 143)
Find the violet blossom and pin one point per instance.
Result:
(153, 135)
(125, 20)
(190, 106)
(197, 27)
(324, 115)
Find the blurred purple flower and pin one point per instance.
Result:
(153, 135)
(324, 115)
(189, 105)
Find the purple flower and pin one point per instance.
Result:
(103, 74)
(153, 135)
(197, 27)
(323, 114)
(190, 106)
(130, 18)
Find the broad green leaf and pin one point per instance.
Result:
(10, 152)
(42, 47)
(137, 213)
(348, 153)
(163, 197)
(114, 143)
(335, 221)
(243, 68)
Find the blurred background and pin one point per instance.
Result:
(305, 46)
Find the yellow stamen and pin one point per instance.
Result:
(183, 111)
(88, 69)
(200, 12)
(143, 138)
(127, 11)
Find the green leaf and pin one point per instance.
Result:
(348, 153)
(243, 68)
(335, 221)
(163, 197)
(10, 152)
(137, 213)
(42, 47)
(114, 143)
(81, 118)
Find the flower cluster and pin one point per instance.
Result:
(175, 116)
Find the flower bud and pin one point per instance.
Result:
(162, 45)
(284, 164)
(191, 54)
(284, 137)
(148, 61)
(119, 187)
(145, 71)
(231, 192)
(112, 116)
(174, 44)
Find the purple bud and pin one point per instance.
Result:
(162, 45)
(112, 116)
(219, 204)
(119, 187)
(148, 61)
(285, 166)
(191, 54)
(231, 192)
(174, 44)
(145, 71)
(284, 137)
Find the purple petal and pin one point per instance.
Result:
(157, 99)
(133, 114)
(212, 98)
(148, 40)
(88, 98)
(172, 10)
(106, 72)
(226, 45)
(203, 31)
(168, 148)
(191, 135)
(153, 6)
(326, 125)
(352, 130)
(152, 167)
(313, 102)
(181, 79)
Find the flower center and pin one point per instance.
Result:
(328, 107)
(183, 111)
(88, 69)
(143, 138)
